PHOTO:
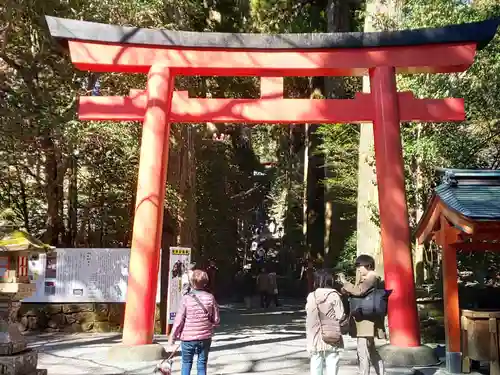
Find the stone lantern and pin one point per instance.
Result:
(16, 247)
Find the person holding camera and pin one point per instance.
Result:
(367, 328)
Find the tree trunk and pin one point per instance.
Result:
(305, 209)
(181, 177)
(288, 217)
(103, 238)
(314, 175)
(338, 20)
(54, 176)
(23, 204)
(72, 202)
(419, 256)
(368, 232)
(187, 178)
(85, 228)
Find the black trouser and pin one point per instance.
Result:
(238, 295)
(275, 299)
(264, 299)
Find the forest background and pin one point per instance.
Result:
(72, 183)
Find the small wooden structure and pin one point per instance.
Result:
(16, 246)
(464, 215)
(480, 339)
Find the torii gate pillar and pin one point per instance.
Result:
(395, 230)
(138, 327)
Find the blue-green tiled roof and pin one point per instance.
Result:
(473, 193)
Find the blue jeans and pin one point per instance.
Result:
(189, 349)
(329, 360)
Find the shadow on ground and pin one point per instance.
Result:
(263, 341)
(286, 318)
(45, 342)
(254, 325)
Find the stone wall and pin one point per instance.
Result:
(75, 317)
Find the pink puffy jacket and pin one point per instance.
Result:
(191, 323)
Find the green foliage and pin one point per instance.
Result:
(57, 172)
(275, 16)
(340, 147)
(42, 139)
(347, 258)
(470, 144)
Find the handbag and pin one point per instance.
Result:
(208, 314)
(330, 331)
(373, 304)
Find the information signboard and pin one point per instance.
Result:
(81, 275)
(180, 258)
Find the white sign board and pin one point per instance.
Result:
(81, 275)
(180, 258)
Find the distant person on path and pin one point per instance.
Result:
(194, 324)
(248, 287)
(366, 330)
(263, 287)
(325, 312)
(238, 285)
(308, 274)
(273, 287)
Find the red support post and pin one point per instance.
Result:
(395, 231)
(148, 221)
(450, 293)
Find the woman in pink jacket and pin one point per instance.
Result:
(194, 324)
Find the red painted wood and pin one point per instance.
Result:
(138, 326)
(394, 227)
(23, 266)
(272, 110)
(100, 57)
(271, 87)
(450, 287)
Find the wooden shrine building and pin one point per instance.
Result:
(463, 215)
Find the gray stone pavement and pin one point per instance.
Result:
(247, 342)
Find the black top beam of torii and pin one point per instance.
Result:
(480, 33)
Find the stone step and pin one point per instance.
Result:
(19, 364)
(38, 372)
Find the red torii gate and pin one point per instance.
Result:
(164, 54)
